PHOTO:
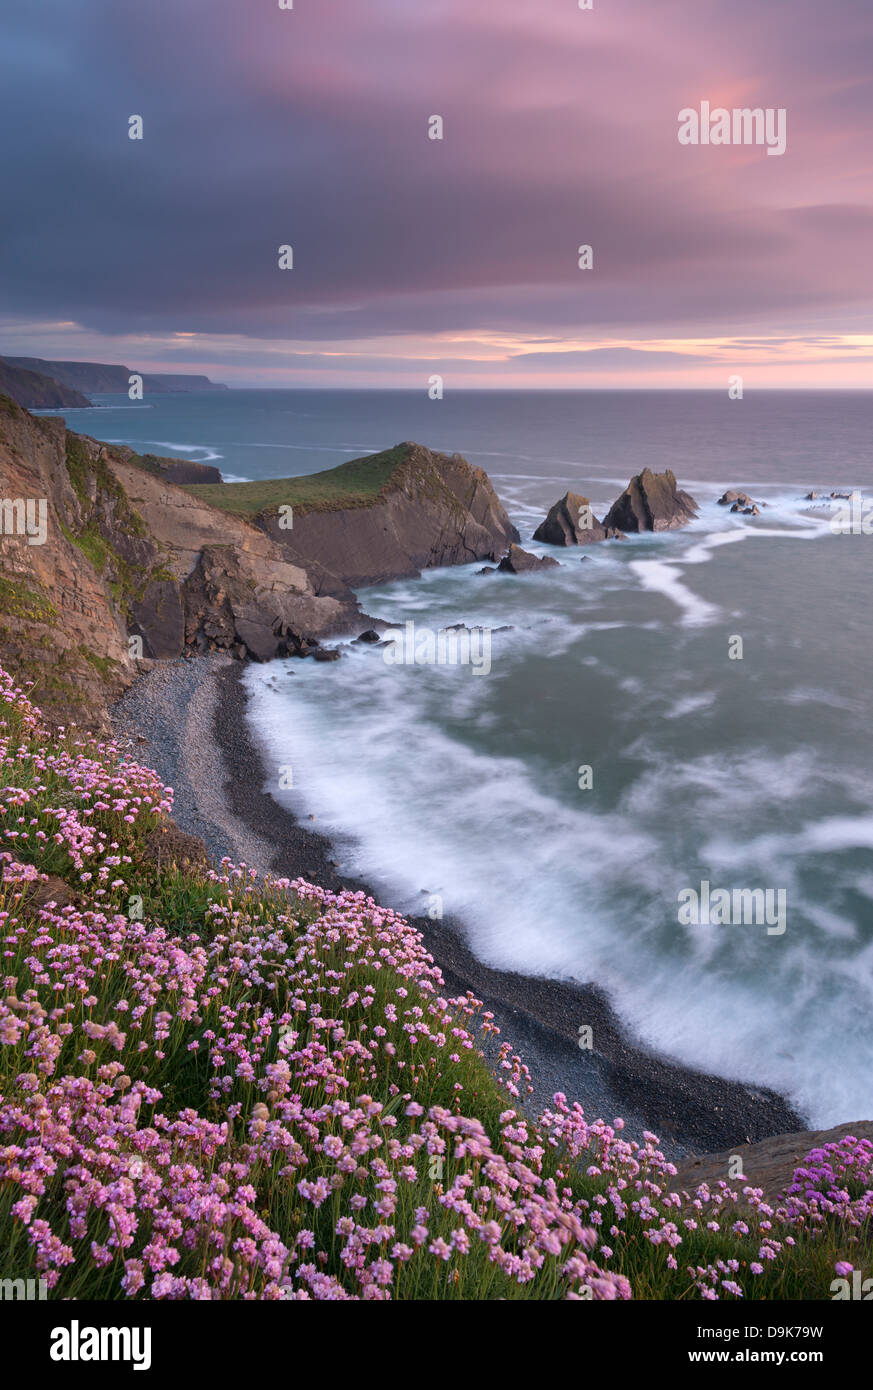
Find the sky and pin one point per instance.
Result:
(413, 257)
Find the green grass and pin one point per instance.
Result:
(358, 483)
(20, 601)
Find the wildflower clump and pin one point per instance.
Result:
(215, 1088)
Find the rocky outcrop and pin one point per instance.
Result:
(36, 391)
(132, 567)
(571, 521)
(730, 498)
(518, 561)
(60, 624)
(741, 502)
(235, 596)
(129, 566)
(435, 509)
(769, 1164)
(651, 502)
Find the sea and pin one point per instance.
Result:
(673, 715)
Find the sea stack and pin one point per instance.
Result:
(571, 521)
(651, 502)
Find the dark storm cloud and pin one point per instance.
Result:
(309, 127)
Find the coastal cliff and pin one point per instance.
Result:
(37, 391)
(386, 516)
(127, 559)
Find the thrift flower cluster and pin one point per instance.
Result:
(264, 1092)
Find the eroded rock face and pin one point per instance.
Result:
(127, 555)
(234, 596)
(519, 561)
(59, 624)
(437, 510)
(651, 502)
(159, 618)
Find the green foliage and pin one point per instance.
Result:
(358, 483)
(20, 600)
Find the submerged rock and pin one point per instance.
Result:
(651, 502)
(727, 498)
(518, 561)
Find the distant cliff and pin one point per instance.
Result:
(36, 391)
(96, 378)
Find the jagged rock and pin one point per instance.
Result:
(267, 604)
(751, 510)
(570, 522)
(487, 569)
(651, 502)
(369, 636)
(518, 561)
(727, 498)
(326, 654)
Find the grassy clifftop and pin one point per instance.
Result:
(211, 1088)
(357, 483)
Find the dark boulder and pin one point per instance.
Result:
(727, 498)
(651, 502)
(570, 522)
(518, 561)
